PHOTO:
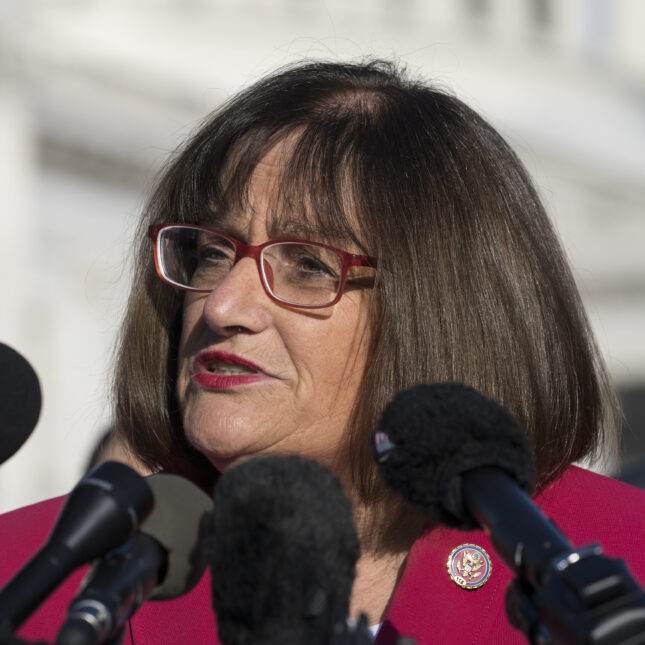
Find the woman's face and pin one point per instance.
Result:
(256, 377)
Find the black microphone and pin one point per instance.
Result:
(464, 461)
(284, 552)
(164, 560)
(103, 510)
(20, 401)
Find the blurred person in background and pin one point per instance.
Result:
(332, 235)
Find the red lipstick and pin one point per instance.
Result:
(218, 370)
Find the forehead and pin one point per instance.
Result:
(244, 223)
(287, 196)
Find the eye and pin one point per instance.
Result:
(308, 263)
(214, 253)
(312, 263)
(304, 266)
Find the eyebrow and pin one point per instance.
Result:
(307, 230)
(283, 227)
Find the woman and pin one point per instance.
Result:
(330, 236)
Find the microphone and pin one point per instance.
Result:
(20, 401)
(466, 463)
(103, 510)
(284, 552)
(165, 559)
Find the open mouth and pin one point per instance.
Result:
(224, 364)
(228, 369)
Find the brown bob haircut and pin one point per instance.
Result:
(472, 285)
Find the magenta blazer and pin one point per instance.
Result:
(427, 604)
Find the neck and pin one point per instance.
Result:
(387, 527)
(386, 534)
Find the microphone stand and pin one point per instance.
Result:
(584, 598)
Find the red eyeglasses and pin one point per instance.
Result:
(299, 273)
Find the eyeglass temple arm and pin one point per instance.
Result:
(354, 260)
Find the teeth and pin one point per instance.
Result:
(227, 369)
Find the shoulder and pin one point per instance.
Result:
(23, 531)
(588, 507)
(579, 482)
(188, 619)
(428, 605)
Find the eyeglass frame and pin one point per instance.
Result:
(348, 260)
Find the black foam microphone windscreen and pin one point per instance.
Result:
(284, 551)
(430, 435)
(20, 401)
(464, 461)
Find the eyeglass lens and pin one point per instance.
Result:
(295, 272)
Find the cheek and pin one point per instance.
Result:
(191, 321)
(332, 354)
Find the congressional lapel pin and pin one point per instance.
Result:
(469, 566)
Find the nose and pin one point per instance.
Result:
(239, 301)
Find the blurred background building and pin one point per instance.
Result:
(94, 95)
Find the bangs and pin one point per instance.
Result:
(323, 169)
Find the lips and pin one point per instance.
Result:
(220, 370)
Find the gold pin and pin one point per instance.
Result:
(469, 566)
